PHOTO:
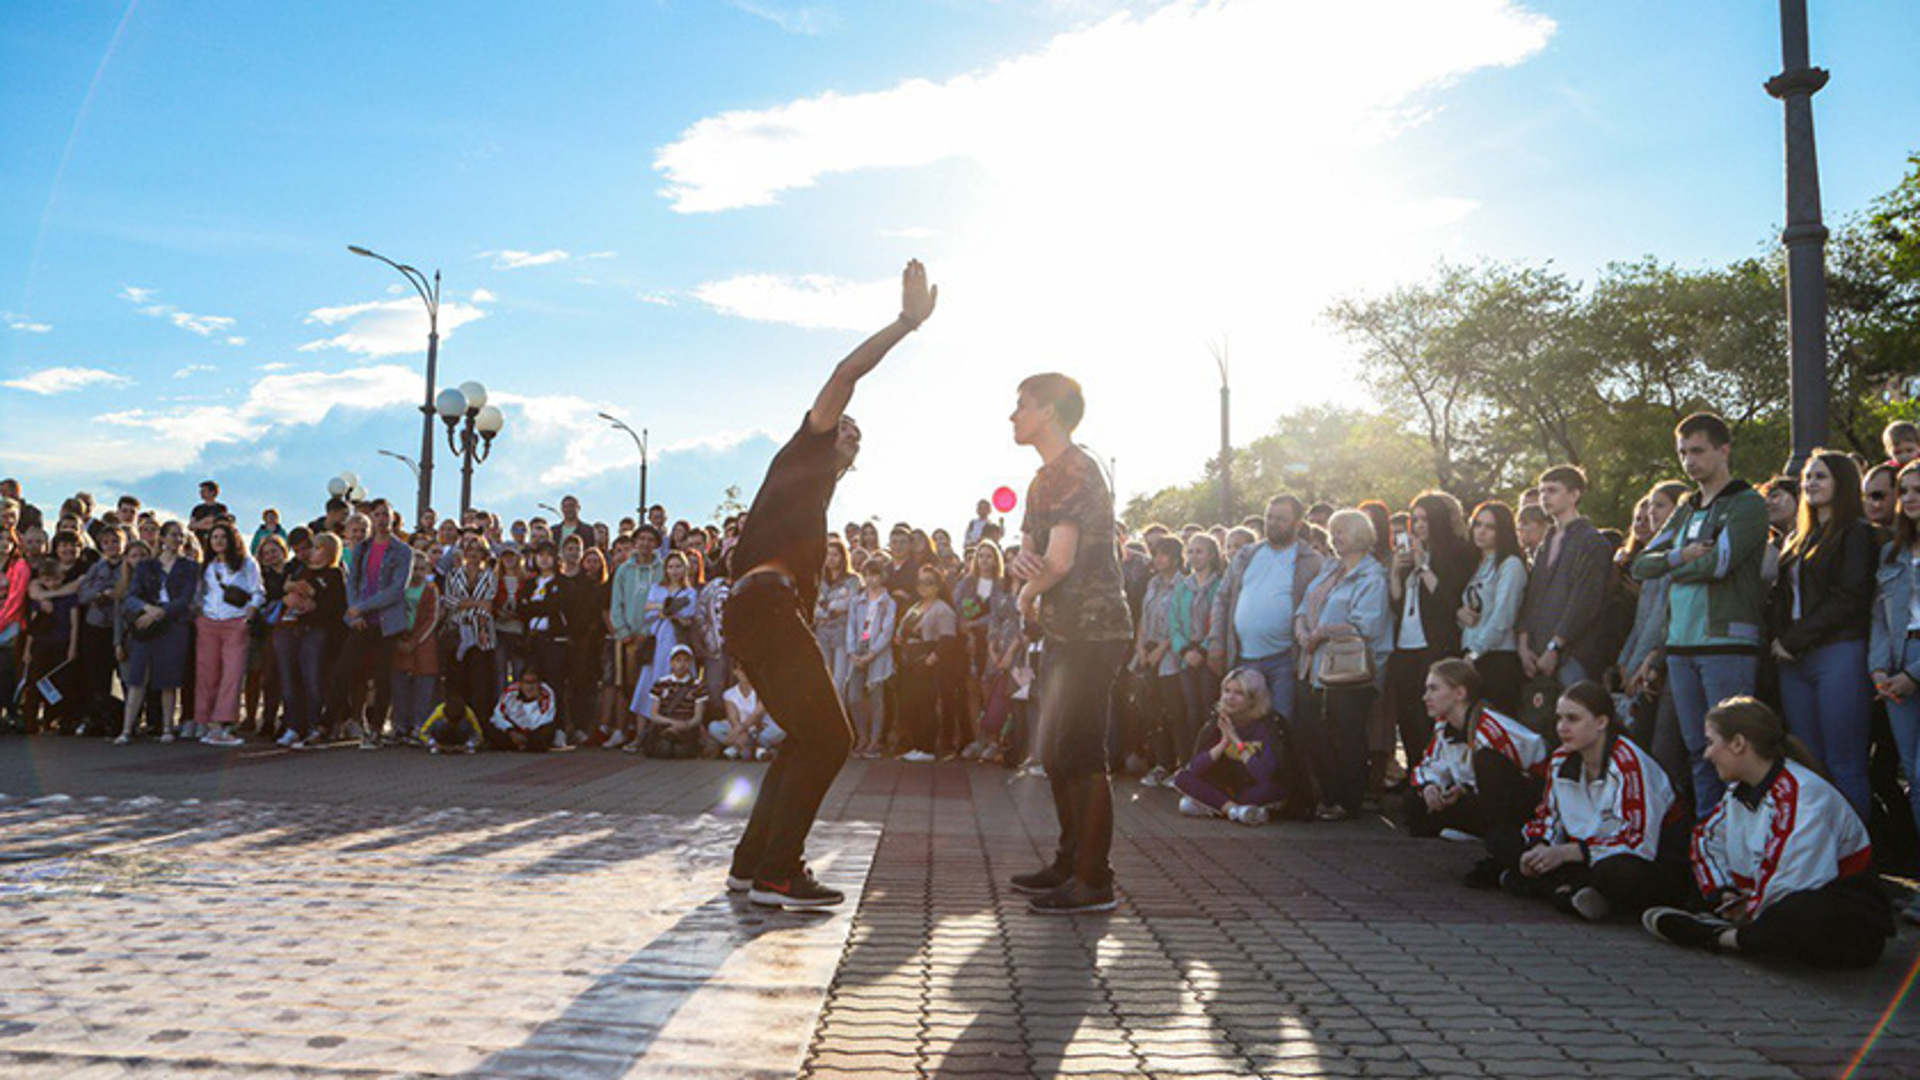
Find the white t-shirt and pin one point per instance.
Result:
(743, 702)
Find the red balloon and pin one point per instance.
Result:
(1004, 500)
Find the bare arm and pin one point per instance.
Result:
(916, 303)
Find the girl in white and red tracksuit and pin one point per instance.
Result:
(1482, 771)
(1594, 844)
(1783, 861)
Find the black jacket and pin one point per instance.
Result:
(1836, 592)
(1440, 609)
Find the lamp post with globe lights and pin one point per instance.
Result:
(429, 295)
(473, 441)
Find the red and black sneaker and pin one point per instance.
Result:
(801, 892)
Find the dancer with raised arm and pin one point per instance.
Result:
(778, 557)
(1072, 589)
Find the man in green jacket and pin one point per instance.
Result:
(1710, 552)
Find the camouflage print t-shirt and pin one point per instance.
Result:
(1089, 604)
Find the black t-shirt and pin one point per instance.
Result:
(788, 520)
(208, 512)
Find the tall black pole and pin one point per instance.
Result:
(425, 497)
(1226, 457)
(643, 474)
(1805, 236)
(468, 440)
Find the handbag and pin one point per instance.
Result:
(1344, 660)
(235, 596)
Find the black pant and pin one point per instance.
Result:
(918, 722)
(1406, 687)
(767, 635)
(472, 677)
(1333, 727)
(97, 664)
(1072, 696)
(550, 660)
(363, 646)
(1177, 727)
(1501, 677)
(583, 684)
(539, 740)
(1843, 924)
(1630, 884)
(1504, 799)
(950, 688)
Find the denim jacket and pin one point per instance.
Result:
(1893, 586)
(1359, 599)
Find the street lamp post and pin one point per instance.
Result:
(429, 295)
(639, 443)
(403, 459)
(473, 442)
(1805, 235)
(1226, 438)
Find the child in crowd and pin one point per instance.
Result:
(675, 726)
(746, 733)
(452, 726)
(1783, 862)
(1593, 847)
(1482, 771)
(525, 718)
(1244, 762)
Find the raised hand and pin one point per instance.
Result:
(916, 297)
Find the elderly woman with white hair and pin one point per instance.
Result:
(1344, 634)
(1243, 762)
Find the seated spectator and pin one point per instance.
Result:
(451, 726)
(746, 733)
(527, 717)
(1593, 847)
(675, 724)
(1481, 771)
(1243, 762)
(1783, 863)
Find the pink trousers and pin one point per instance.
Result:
(220, 669)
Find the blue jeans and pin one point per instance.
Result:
(1700, 682)
(1904, 718)
(1278, 670)
(301, 651)
(412, 702)
(1828, 700)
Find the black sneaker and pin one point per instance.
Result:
(1684, 927)
(797, 893)
(1075, 897)
(1484, 875)
(1041, 881)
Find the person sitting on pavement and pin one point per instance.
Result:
(1594, 846)
(746, 733)
(525, 718)
(1783, 863)
(676, 725)
(1481, 772)
(1244, 762)
(451, 727)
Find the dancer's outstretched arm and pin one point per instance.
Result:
(916, 303)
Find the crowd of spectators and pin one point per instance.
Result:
(1690, 719)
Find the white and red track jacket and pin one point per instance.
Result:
(514, 711)
(1618, 812)
(1791, 832)
(1448, 761)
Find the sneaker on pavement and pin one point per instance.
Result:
(121, 740)
(1193, 807)
(288, 737)
(762, 753)
(731, 753)
(739, 884)
(166, 736)
(1154, 777)
(1459, 836)
(1075, 897)
(559, 740)
(1041, 881)
(615, 741)
(1684, 927)
(1250, 814)
(916, 756)
(369, 744)
(434, 749)
(801, 892)
(222, 738)
(1590, 904)
(471, 748)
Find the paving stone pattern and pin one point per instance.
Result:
(341, 914)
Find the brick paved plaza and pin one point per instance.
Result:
(176, 911)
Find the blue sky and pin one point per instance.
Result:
(684, 212)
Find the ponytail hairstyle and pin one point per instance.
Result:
(1458, 673)
(1752, 720)
(1594, 698)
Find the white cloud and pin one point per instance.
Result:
(1205, 167)
(659, 298)
(910, 232)
(806, 19)
(17, 321)
(397, 327)
(811, 300)
(271, 402)
(62, 380)
(191, 370)
(484, 296)
(508, 259)
(204, 325)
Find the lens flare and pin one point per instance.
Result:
(738, 795)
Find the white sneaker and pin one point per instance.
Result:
(615, 741)
(762, 754)
(434, 749)
(1155, 777)
(559, 740)
(224, 738)
(1193, 807)
(731, 753)
(166, 736)
(472, 749)
(916, 756)
(288, 738)
(121, 740)
(1249, 814)
(1458, 837)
